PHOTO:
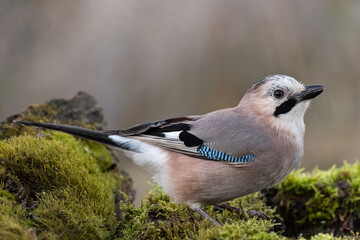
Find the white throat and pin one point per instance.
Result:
(293, 122)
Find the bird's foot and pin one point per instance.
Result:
(251, 213)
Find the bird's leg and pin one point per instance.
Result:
(196, 208)
(251, 213)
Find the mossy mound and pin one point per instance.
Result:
(326, 201)
(56, 186)
(60, 184)
(159, 218)
(81, 110)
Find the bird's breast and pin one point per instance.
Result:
(192, 180)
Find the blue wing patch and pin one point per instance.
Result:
(220, 156)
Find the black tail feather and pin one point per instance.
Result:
(99, 136)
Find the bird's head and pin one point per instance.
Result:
(281, 100)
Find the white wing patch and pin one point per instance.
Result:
(172, 135)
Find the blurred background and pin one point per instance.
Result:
(151, 60)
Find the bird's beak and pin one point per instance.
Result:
(310, 92)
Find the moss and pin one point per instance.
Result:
(56, 186)
(250, 229)
(100, 153)
(74, 196)
(12, 218)
(81, 110)
(321, 201)
(159, 218)
(6, 195)
(323, 236)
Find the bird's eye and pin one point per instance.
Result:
(279, 94)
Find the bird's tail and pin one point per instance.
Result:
(143, 154)
(98, 136)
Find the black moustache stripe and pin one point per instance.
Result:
(285, 107)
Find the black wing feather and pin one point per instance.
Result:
(190, 140)
(156, 127)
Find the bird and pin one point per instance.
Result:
(222, 155)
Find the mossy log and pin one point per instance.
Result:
(56, 186)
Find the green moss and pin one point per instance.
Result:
(5, 194)
(34, 113)
(62, 187)
(320, 201)
(249, 229)
(12, 218)
(74, 195)
(159, 218)
(78, 111)
(100, 153)
(322, 236)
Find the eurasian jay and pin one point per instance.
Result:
(221, 155)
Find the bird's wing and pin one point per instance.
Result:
(223, 135)
(171, 134)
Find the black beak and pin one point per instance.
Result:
(310, 92)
